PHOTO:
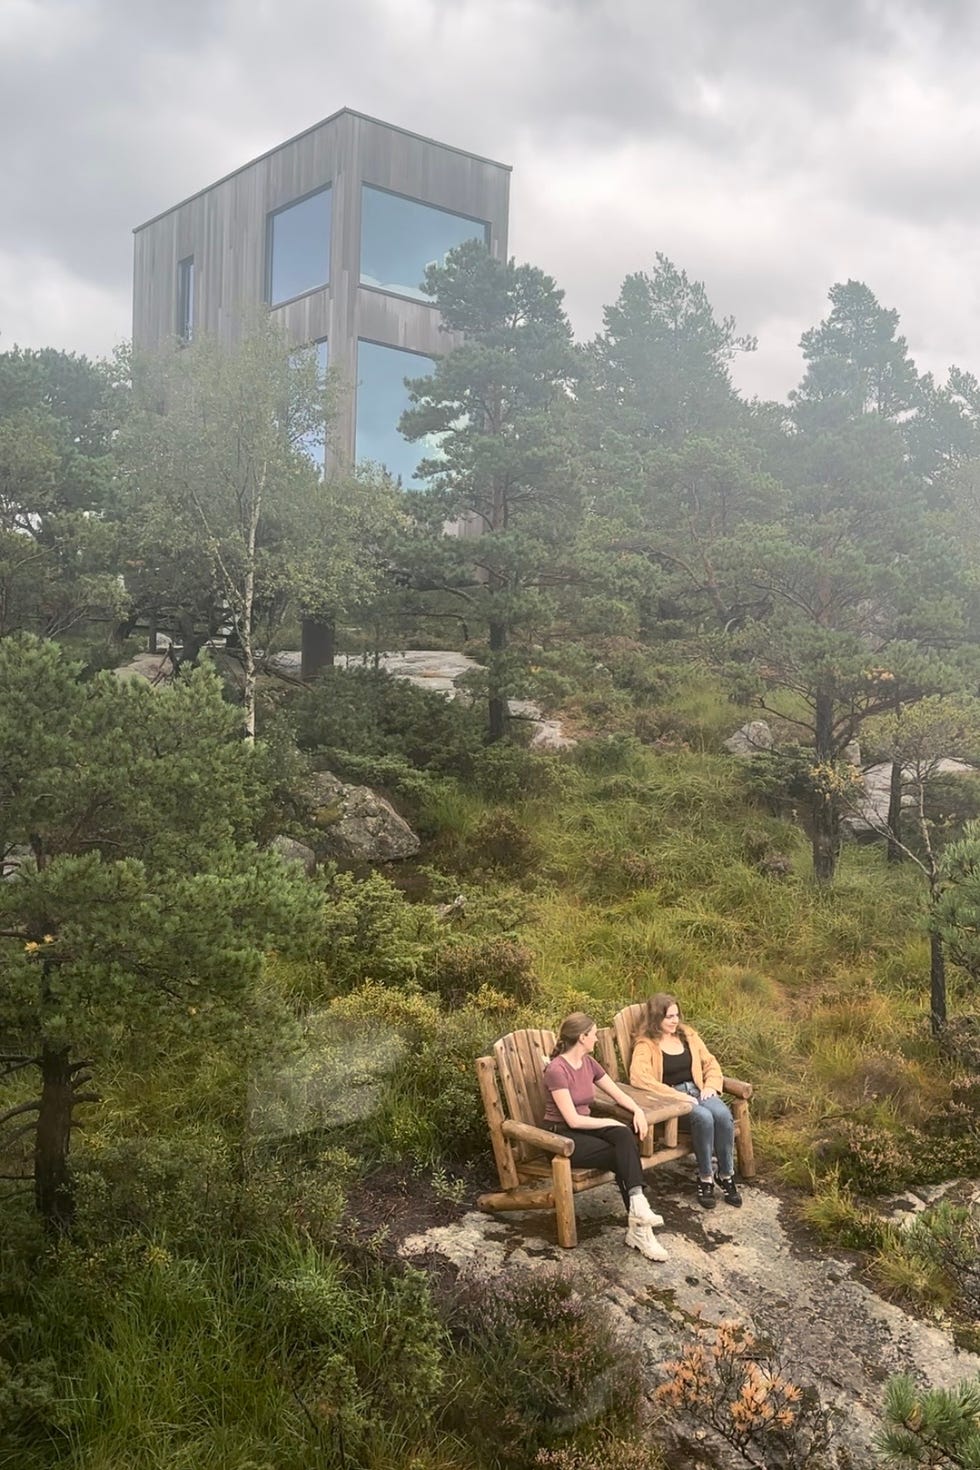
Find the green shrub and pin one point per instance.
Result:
(370, 931)
(541, 1360)
(371, 713)
(500, 841)
(610, 754)
(464, 967)
(931, 1426)
(428, 1109)
(505, 772)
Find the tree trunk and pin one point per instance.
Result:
(53, 1193)
(826, 816)
(895, 853)
(319, 641)
(497, 704)
(937, 985)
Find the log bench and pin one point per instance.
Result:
(533, 1164)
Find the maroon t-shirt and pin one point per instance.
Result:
(580, 1083)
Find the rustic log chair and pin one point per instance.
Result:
(615, 1051)
(533, 1164)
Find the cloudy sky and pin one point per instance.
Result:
(769, 147)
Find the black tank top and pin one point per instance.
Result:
(677, 1068)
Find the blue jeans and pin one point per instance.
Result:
(712, 1133)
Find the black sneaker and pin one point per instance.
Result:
(729, 1190)
(706, 1194)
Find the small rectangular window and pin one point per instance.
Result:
(185, 299)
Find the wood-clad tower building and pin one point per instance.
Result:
(332, 231)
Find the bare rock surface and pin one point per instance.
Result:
(832, 1332)
(155, 668)
(872, 806)
(355, 824)
(292, 851)
(751, 739)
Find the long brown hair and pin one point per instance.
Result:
(572, 1028)
(656, 1008)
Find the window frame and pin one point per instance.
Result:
(186, 278)
(424, 204)
(407, 484)
(270, 218)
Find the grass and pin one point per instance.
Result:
(203, 1322)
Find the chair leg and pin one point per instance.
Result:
(743, 1139)
(561, 1176)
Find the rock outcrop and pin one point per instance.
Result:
(292, 851)
(751, 739)
(831, 1331)
(356, 825)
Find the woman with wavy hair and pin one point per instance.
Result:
(670, 1055)
(571, 1078)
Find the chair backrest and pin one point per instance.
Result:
(521, 1057)
(626, 1024)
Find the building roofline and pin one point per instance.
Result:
(341, 112)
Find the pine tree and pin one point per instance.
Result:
(144, 906)
(500, 403)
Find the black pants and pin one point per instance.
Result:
(615, 1147)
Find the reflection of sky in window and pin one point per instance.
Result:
(400, 237)
(314, 444)
(382, 398)
(299, 247)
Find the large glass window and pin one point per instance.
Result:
(382, 398)
(299, 247)
(185, 298)
(400, 237)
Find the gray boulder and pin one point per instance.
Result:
(356, 825)
(292, 851)
(751, 739)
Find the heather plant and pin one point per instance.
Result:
(461, 968)
(727, 1381)
(500, 841)
(541, 1361)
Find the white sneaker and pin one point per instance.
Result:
(641, 1238)
(641, 1210)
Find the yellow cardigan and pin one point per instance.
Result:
(647, 1065)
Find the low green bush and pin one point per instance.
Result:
(428, 1109)
(541, 1361)
(501, 841)
(463, 967)
(369, 931)
(371, 713)
(506, 772)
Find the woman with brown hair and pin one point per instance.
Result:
(670, 1056)
(571, 1078)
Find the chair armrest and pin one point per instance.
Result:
(551, 1143)
(737, 1088)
